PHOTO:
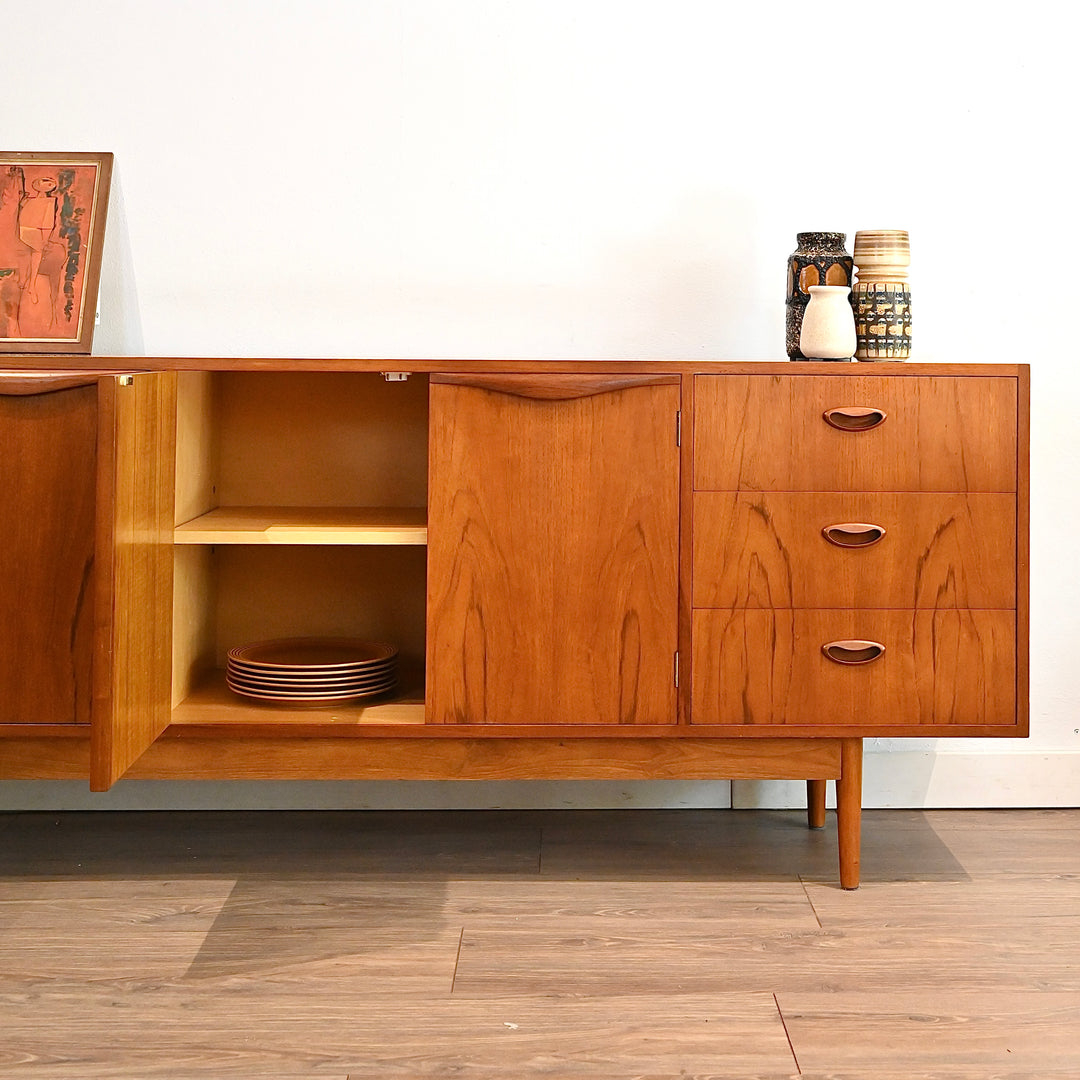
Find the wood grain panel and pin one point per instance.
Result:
(375, 525)
(767, 433)
(553, 557)
(488, 759)
(327, 438)
(280, 591)
(48, 584)
(202, 755)
(940, 668)
(754, 549)
(1023, 551)
(133, 655)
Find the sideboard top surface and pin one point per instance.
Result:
(103, 364)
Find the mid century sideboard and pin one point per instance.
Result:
(591, 569)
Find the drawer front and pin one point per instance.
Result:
(939, 669)
(938, 433)
(855, 550)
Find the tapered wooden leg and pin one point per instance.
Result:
(849, 811)
(815, 803)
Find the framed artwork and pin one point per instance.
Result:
(52, 224)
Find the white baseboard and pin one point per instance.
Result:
(58, 795)
(928, 780)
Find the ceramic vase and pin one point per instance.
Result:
(828, 325)
(819, 259)
(881, 296)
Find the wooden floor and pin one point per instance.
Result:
(572, 945)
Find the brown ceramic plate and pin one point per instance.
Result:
(313, 683)
(366, 671)
(308, 698)
(312, 654)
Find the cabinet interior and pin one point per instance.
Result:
(300, 511)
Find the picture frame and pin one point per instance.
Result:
(52, 227)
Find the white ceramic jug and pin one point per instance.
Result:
(828, 325)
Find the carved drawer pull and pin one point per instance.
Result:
(855, 418)
(853, 534)
(853, 652)
(553, 387)
(25, 385)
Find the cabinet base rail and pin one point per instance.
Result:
(178, 755)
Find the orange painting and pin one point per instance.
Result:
(52, 221)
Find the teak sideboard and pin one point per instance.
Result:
(606, 569)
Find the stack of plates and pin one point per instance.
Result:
(311, 671)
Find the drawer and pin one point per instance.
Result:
(937, 433)
(939, 669)
(769, 549)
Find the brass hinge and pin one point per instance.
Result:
(676, 668)
(126, 380)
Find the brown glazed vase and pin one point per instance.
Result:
(881, 296)
(819, 259)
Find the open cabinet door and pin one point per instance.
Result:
(132, 646)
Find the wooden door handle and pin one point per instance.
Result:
(853, 534)
(854, 417)
(25, 384)
(554, 387)
(853, 652)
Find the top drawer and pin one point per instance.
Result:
(939, 433)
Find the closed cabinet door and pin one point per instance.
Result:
(86, 498)
(48, 579)
(553, 550)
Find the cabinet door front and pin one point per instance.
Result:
(553, 549)
(48, 477)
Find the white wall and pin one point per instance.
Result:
(543, 178)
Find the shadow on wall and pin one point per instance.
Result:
(120, 332)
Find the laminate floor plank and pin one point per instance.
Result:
(959, 1072)
(1061, 818)
(233, 843)
(984, 1032)
(381, 957)
(195, 888)
(1046, 848)
(577, 945)
(744, 845)
(424, 906)
(251, 903)
(712, 905)
(190, 915)
(597, 958)
(560, 1037)
(1003, 901)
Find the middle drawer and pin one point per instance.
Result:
(865, 550)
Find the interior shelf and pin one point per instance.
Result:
(212, 703)
(305, 525)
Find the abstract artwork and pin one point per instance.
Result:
(52, 223)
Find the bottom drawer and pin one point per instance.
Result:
(937, 670)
